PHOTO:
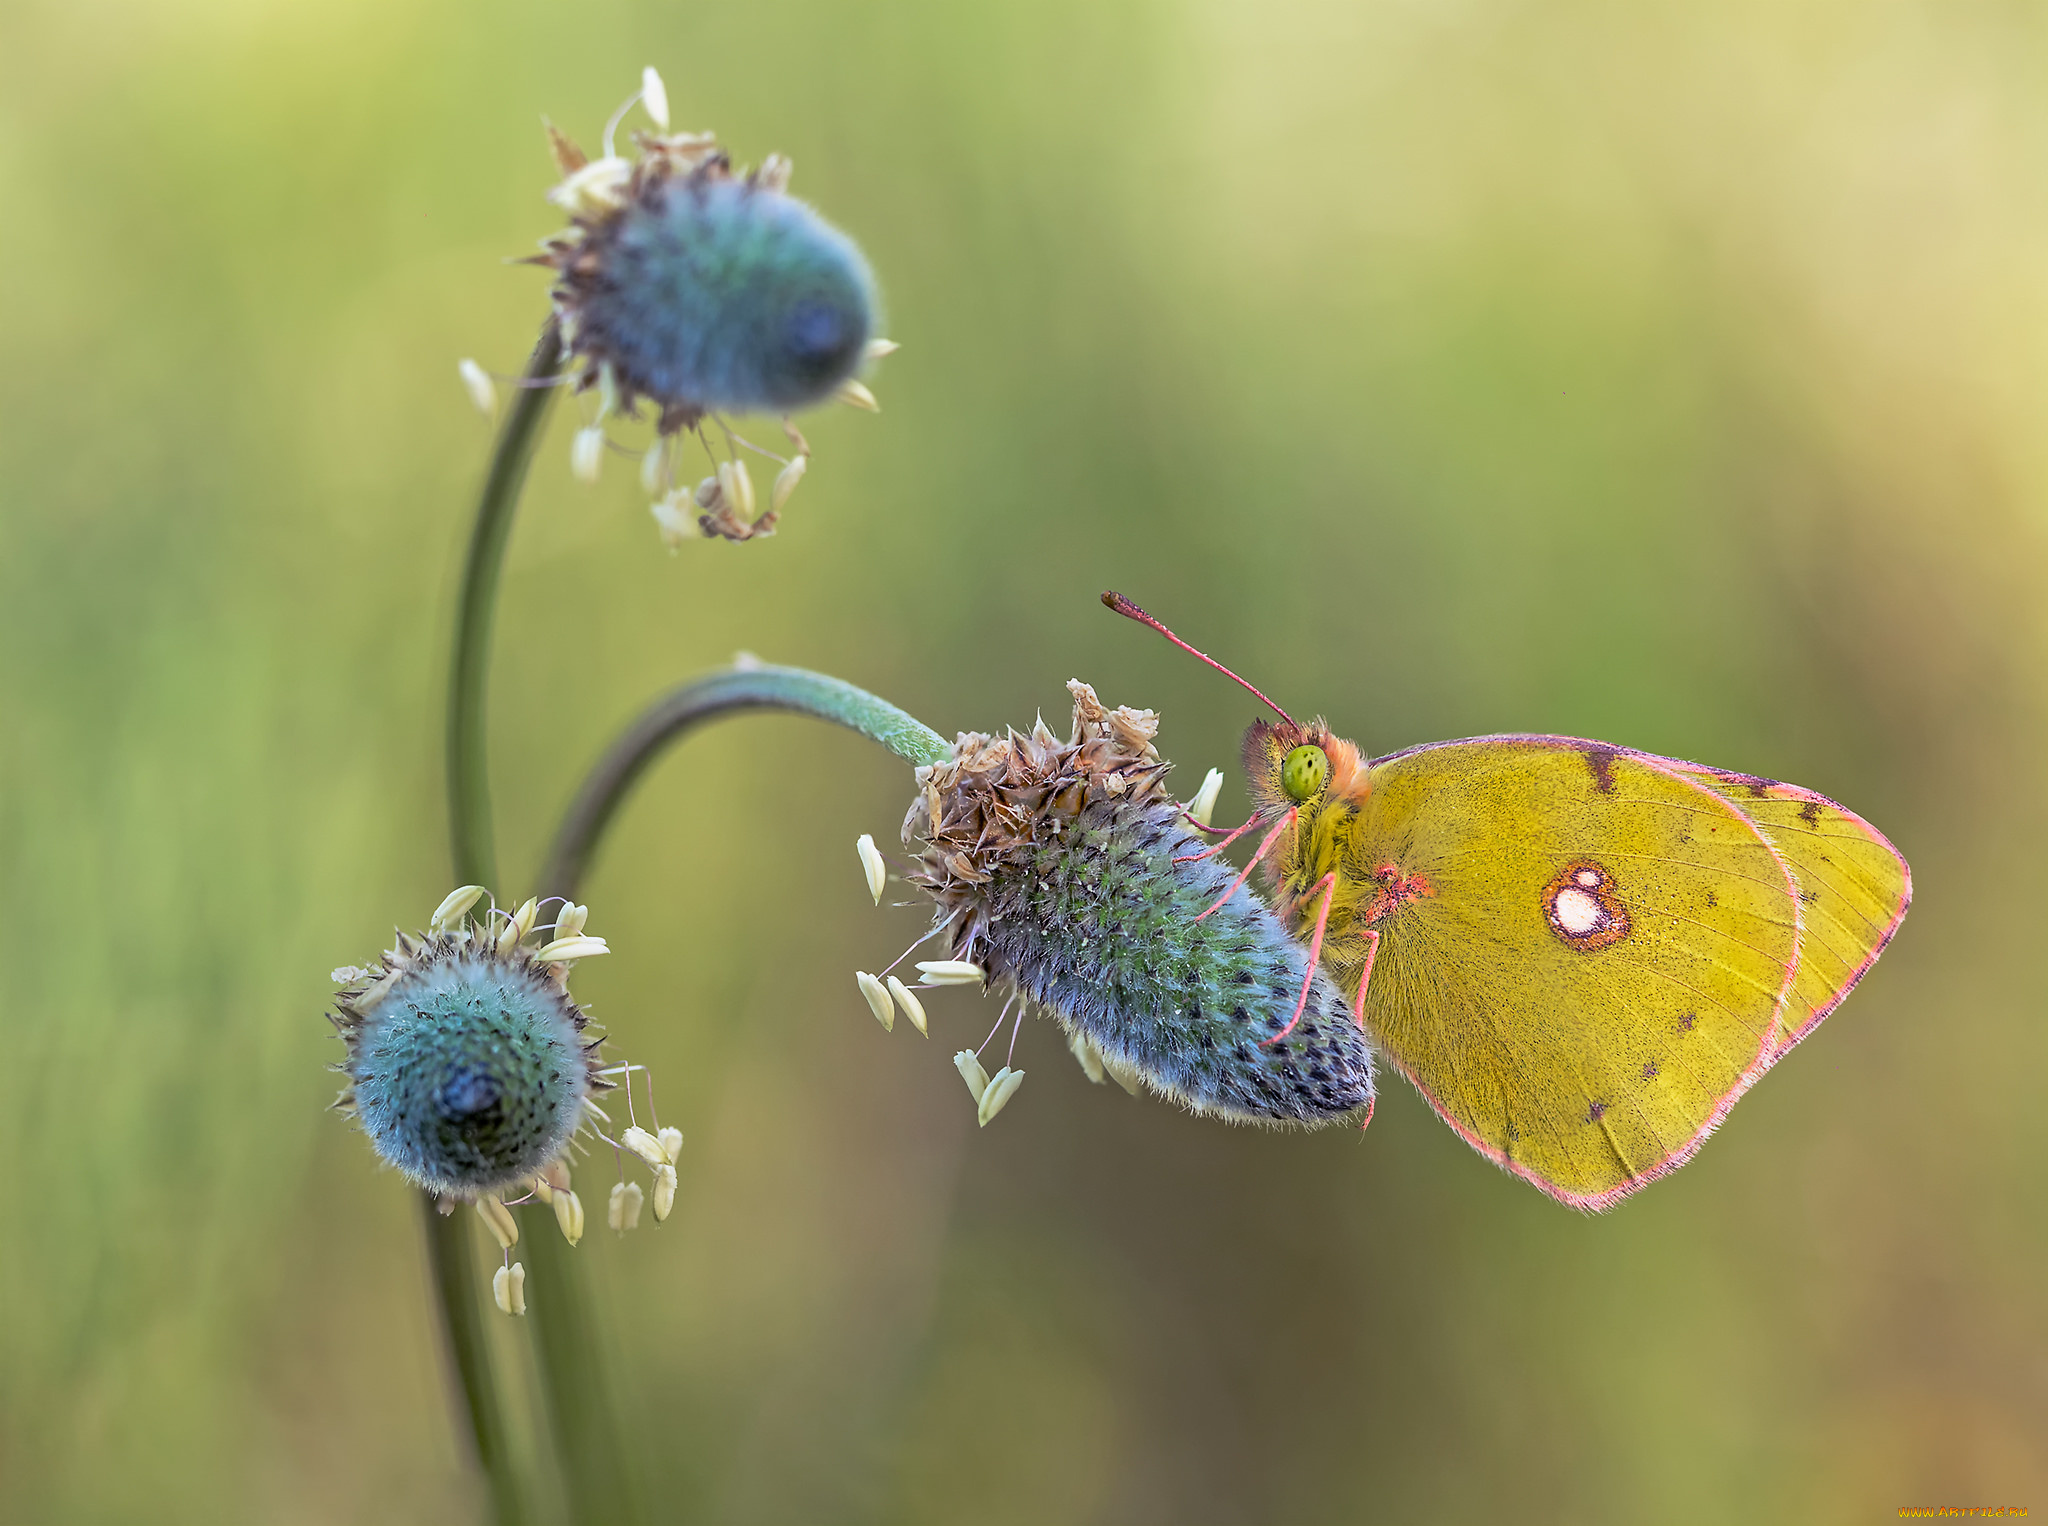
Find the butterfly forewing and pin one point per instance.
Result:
(1584, 955)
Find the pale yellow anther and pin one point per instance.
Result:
(542, 1190)
(569, 1216)
(737, 486)
(517, 926)
(854, 394)
(671, 1143)
(1089, 1056)
(558, 1175)
(878, 1000)
(664, 1191)
(950, 972)
(912, 1008)
(786, 481)
(968, 1063)
(651, 467)
(454, 908)
(654, 96)
(774, 173)
(644, 1145)
(563, 950)
(624, 1211)
(676, 523)
(586, 454)
(607, 392)
(1203, 806)
(569, 922)
(872, 866)
(1124, 1075)
(481, 390)
(878, 348)
(508, 1288)
(1002, 1086)
(504, 1228)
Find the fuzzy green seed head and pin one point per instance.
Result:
(1053, 865)
(466, 1059)
(704, 290)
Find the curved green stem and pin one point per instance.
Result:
(469, 782)
(688, 706)
(459, 1278)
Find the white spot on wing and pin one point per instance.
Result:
(1577, 912)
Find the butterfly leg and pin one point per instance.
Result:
(1212, 851)
(1260, 852)
(1372, 949)
(1327, 886)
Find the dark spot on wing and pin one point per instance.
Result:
(1686, 1022)
(1713, 897)
(1810, 813)
(1649, 1070)
(1593, 1113)
(1600, 758)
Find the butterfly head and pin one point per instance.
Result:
(1288, 764)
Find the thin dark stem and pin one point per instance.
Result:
(688, 706)
(458, 1276)
(469, 782)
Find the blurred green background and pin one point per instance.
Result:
(1666, 373)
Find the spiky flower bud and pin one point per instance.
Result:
(1053, 866)
(467, 1064)
(703, 290)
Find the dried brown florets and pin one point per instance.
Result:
(997, 797)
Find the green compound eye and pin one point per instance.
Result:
(1304, 771)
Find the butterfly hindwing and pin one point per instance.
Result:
(1854, 887)
(1585, 954)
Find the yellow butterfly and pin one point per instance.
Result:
(1580, 954)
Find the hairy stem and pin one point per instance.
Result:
(688, 706)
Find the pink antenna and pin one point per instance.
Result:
(1130, 611)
